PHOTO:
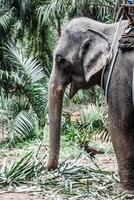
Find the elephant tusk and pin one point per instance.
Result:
(73, 90)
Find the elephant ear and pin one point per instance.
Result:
(104, 60)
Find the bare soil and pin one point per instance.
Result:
(20, 196)
(105, 162)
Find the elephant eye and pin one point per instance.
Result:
(87, 45)
(60, 60)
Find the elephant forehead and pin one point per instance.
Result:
(82, 24)
(70, 35)
(71, 42)
(69, 47)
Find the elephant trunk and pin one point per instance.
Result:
(55, 98)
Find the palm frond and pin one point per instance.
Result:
(29, 66)
(95, 121)
(52, 9)
(5, 20)
(22, 127)
(101, 10)
(37, 95)
(17, 104)
(22, 170)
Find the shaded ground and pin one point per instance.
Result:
(20, 196)
(106, 162)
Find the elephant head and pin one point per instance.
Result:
(78, 60)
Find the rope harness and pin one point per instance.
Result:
(112, 62)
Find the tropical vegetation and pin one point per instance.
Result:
(29, 30)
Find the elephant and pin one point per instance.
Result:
(79, 60)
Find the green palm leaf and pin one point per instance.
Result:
(22, 170)
(53, 9)
(22, 127)
(29, 66)
(95, 120)
(5, 20)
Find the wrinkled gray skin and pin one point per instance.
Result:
(77, 60)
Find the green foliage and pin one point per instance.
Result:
(24, 126)
(38, 98)
(94, 95)
(5, 21)
(26, 79)
(78, 182)
(26, 76)
(69, 128)
(28, 67)
(59, 9)
(25, 106)
(82, 97)
(19, 123)
(94, 120)
(21, 171)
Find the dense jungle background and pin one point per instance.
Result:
(29, 31)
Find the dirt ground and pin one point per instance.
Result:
(105, 162)
(20, 196)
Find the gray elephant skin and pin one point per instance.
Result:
(78, 62)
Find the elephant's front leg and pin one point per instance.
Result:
(123, 142)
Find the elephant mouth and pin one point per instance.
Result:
(73, 90)
(75, 87)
